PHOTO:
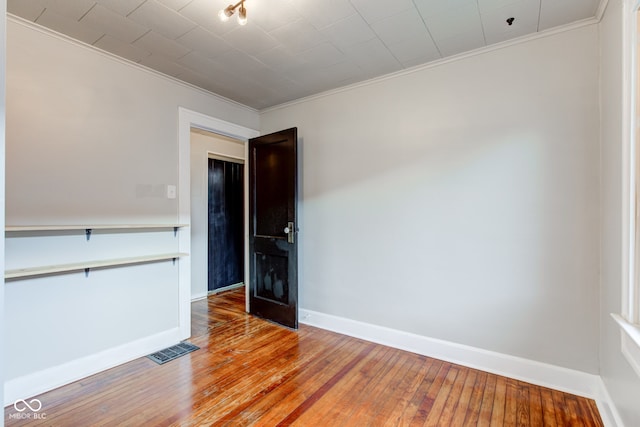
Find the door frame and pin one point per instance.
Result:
(188, 119)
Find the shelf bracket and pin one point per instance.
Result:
(87, 232)
(86, 272)
(175, 231)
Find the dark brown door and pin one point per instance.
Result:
(273, 242)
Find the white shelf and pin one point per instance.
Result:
(14, 228)
(61, 268)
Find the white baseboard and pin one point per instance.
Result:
(543, 374)
(198, 297)
(39, 382)
(608, 411)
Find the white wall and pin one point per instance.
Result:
(460, 201)
(3, 11)
(621, 381)
(92, 139)
(202, 145)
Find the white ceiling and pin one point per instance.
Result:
(293, 48)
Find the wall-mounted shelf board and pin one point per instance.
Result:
(61, 268)
(14, 228)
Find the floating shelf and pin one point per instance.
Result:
(86, 266)
(15, 228)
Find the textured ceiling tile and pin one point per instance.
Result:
(161, 19)
(113, 24)
(155, 43)
(489, 5)
(205, 14)
(250, 39)
(525, 14)
(121, 49)
(244, 65)
(439, 7)
(162, 64)
(69, 26)
(175, 4)
(459, 44)
(122, 7)
(323, 55)
(401, 27)
(450, 24)
(280, 58)
(374, 10)
(204, 42)
(203, 65)
(410, 51)
(27, 9)
(73, 9)
(298, 35)
(349, 31)
(323, 13)
(194, 78)
(554, 13)
(271, 14)
(373, 57)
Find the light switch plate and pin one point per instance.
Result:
(171, 191)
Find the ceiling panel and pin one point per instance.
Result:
(122, 49)
(349, 31)
(205, 42)
(158, 44)
(373, 57)
(250, 39)
(452, 22)
(27, 9)
(162, 64)
(298, 35)
(102, 19)
(554, 13)
(464, 42)
(122, 7)
(401, 27)
(323, 13)
(205, 14)
(73, 9)
(69, 26)
(375, 10)
(293, 48)
(526, 15)
(161, 19)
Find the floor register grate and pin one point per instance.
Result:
(168, 354)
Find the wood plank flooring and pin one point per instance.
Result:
(251, 372)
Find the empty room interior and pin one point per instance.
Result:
(346, 212)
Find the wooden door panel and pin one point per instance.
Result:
(273, 246)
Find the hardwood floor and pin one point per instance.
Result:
(251, 372)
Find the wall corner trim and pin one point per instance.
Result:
(602, 7)
(543, 374)
(42, 381)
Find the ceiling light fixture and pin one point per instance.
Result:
(226, 13)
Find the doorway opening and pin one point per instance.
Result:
(225, 225)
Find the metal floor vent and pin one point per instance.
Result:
(168, 354)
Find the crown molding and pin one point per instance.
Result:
(437, 63)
